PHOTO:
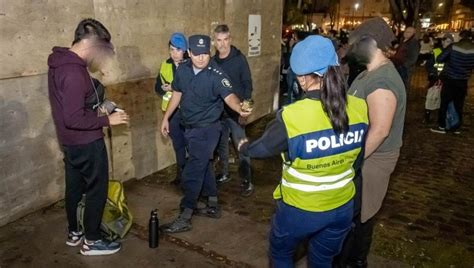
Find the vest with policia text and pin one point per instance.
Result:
(318, 168)
(166, 76)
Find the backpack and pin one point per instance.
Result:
(117, 219)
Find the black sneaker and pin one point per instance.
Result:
(221, 179)
(247, 189)
(74, 239)
(440, 130)
(211, 212)
(99, 247)
(179, 225)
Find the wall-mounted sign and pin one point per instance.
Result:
(255, 33)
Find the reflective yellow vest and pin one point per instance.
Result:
(439, 66)
(166, 76)
(317, 176)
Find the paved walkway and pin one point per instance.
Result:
(426, 221)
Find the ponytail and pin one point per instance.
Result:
(334, 98)
(88, 28)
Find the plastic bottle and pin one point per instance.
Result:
(153, 231)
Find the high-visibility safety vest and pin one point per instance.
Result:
(166, 76)
(439, 66)
(318, 168)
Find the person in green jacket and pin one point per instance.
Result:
(321, 138)
(178, 47)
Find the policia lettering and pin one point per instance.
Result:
(325, 143)
(318, 168)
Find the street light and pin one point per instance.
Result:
(356, 6)
(440, 4)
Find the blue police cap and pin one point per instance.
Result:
(313, 55)
(200, 44)
(178, 40)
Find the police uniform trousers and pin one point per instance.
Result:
(198, 173)
(179, 143)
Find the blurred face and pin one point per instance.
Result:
(222, 42)
(98, 55)
(176, 54)
(409, 32)
(200, 61)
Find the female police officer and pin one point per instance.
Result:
(321, 138)
(178, 46)
(200, 89)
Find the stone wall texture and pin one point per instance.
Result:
(31, 166)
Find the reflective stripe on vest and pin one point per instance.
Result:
(439, 66)
(317, 176)
(166, 76)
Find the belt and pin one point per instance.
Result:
(198, 125)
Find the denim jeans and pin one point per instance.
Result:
(232, 128)
(325, 230)
(87, 172)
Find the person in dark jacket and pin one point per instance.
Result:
(458, 59)
(406, 55)
(235, 65)
(79, 130)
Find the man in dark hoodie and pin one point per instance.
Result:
(79, 130)
(235, 65)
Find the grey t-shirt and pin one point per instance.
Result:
(384, 77)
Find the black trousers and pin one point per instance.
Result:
(87, 172)
(455, 91)
(356, 246)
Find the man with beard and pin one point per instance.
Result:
(383, 89)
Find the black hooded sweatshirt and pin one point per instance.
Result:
(235, 65)
(69, 86)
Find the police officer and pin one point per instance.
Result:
(178, 46)
(321, 138)
(199, 88)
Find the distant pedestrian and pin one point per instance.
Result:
(458, 59)
(406, 55)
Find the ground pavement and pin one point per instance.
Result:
(426, 220)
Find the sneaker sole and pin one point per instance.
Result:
(179, 231)
(438, 131)
(222, 182)
(212, 216)
(71, 244)
(99, 252)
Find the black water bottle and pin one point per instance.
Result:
(153, 232)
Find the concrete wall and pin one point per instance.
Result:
(31, 167)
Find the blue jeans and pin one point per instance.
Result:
(198, 173)
(231, 127)
(325, 230)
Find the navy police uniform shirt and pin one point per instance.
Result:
(202, 94)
